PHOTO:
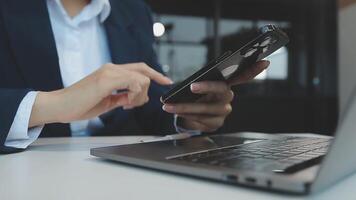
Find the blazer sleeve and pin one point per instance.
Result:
(10, 100)
(151, 117)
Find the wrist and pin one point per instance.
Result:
(45, 109)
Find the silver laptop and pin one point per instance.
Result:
(279, 162)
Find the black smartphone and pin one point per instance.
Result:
(230, 64)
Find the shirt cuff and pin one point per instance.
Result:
(20, 136)
(183, 130)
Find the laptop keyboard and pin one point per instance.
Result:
(281, 156)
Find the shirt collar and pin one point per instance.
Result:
(100, 8)
(104, 9)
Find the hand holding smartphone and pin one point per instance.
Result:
(230, 65)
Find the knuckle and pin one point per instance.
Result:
(231, 95)
(135, 88)
(228, 108)
(146, 80)
(138, 87)
(143, 64)
(140, 103)
(143, 100)
(140, 65)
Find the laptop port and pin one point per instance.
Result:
(231, 178)
(250, 180)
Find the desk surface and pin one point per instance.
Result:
(63, 169)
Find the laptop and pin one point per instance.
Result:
(275, 162)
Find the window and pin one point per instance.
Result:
(180, 49)
(186, 43)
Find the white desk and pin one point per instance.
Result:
(63, 169)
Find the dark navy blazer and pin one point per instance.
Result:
(29, 61)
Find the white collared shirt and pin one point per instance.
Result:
(81, 45)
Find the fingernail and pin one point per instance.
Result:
(267, 64)
(168, 108)
(195, 87)
(169, 81)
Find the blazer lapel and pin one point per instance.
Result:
(32, 42)
(123, 48)
(120, 32)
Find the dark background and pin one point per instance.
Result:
(305, 100)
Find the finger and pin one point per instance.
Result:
(211, 122)
(143, 83)
(250, 74)
(139, 101)
(119, 99)
(198, 108)
(134, 91)
(141, 97)
(151, 73)
(227, 97)
(222, 98)
(207, 87)
(115, 100)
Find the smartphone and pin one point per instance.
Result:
(230, 64)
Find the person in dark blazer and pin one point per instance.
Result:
(62, 61)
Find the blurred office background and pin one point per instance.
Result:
(298, 93)
(347, 54)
